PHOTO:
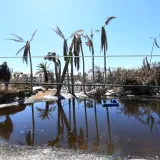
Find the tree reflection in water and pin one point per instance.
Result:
(46, 113)
(86, 121)
(63, 119)
(6, 128)
(144, 112)
(96, 141)
(29, 135)
(110, 145)
(80, 138)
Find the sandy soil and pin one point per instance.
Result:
(40, 94)
(16, 152)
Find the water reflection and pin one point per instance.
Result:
(6, 125)
(109, 142)
(146, 113)
(86, 123)
(30, 134)
(62, 119)
(6, 128)
(83, 124)
(46, 113)
(96, 141)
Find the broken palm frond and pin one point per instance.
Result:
(26, 52)
(65, 49)
(18, 37)
(77, 46)
(155, 41)
(16, 40)
(104, 43)
(92, 34)
(89, 43)
(33, 35)
(65, 45)
(59, 32)
(20, 50)
(109, 19)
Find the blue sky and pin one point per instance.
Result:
(137, 21)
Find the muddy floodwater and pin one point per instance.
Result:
(132, 127)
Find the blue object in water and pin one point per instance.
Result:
(60, 98)
(114, 101)
(113, 104)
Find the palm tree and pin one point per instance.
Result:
(104, 43)
(83, 63)
(44, 69)
(26, 52)
(73, 43)
(77, 42)
(5, 74)
(65, 49)
(51, 56)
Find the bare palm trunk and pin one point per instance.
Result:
(93, 68)
(31, 71)
(63, 74)
(83, 69)
(56, 73)
(105, 76)
(47, 86)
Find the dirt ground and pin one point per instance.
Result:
(40, 94)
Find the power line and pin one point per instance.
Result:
(112, 56)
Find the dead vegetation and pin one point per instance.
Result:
(147, 75)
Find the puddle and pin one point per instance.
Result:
(86, 125)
